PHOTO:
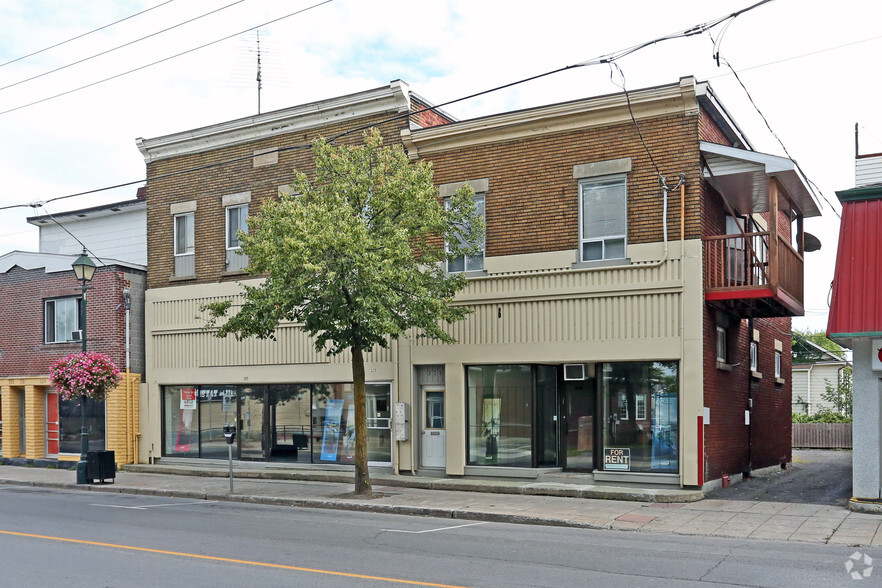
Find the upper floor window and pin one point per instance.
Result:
(777, 364)
(62, 320)
(475, 262)
(603, 217)
(754, 356)
(236, 221)
(185, 236)
(722, 356)
(185, 245)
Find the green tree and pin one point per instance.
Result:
(356, 257)
(804, 353)
(840, 395)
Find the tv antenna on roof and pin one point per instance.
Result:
(259, 80)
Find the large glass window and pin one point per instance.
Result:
(500, 415)
(603, 218)
(61, 319)
(286, 422)
(640, 420)
(470, 263)
(181, 421)
(70, 424)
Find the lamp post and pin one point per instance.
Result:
(84, 269)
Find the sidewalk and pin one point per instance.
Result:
(490, 500)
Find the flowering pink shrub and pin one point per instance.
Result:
(92, 374)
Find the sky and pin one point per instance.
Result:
(183, 64)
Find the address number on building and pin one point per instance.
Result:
(617, 460)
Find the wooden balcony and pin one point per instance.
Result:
(753, 275)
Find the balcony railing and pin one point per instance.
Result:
(767, 276)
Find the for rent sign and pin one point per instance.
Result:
(617, 460)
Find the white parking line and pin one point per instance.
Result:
(433, 530)
(145, 507)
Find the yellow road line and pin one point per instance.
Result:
(230, 560)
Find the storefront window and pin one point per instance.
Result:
(500, 416)
(217, 407)
(640, 420)
(181, 421)
(282, 422)
(70, 425)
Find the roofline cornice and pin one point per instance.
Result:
(567, 116)
(392, 98)
(867, 193)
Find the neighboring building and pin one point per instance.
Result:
(856, 318)
(637, 333)
(814, 369)
(40, 302)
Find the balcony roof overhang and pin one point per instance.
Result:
(742, 178)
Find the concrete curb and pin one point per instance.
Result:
(460, 485)
(355, 506)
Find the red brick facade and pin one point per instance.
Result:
(23, 351)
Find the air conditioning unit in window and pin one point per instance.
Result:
(574, 371)
(76, 336)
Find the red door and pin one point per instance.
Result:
(51, 423)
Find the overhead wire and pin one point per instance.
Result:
(101, 28)
(163, 60)
(716, 55)
(111, 50)
(604, 59)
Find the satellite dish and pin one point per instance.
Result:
(812, 243)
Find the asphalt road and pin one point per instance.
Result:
(816, 476)
(73, 539)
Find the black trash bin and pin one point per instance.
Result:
(100, 465)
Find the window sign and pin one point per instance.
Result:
(331, 434)
(617, 459)
(188, 398)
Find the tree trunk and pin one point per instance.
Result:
(362, 476)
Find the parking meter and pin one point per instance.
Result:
(230, 433)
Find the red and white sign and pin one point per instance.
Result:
(188, 398)
(876, 355)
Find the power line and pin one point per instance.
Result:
(84, 34)
(608, 58)
(125, 73)
(96, 55)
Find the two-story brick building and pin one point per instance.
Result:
(631, 302)
(40, 315)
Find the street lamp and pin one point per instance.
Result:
(84, 269)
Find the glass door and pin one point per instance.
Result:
(251, 434)
(52, 424)
(433, 443)
(580, 406)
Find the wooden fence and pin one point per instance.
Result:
(822, 435)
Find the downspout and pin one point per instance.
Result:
(749, 401)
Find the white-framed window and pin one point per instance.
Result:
(469, 263)
(754, 356)
(722, 356)
(185, 236)
(603, 217)
(640, 407)
(777, 364)
(61, 319)
(237, 220)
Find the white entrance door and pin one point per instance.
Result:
(433, 434)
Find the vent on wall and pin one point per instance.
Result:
(574, 371)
